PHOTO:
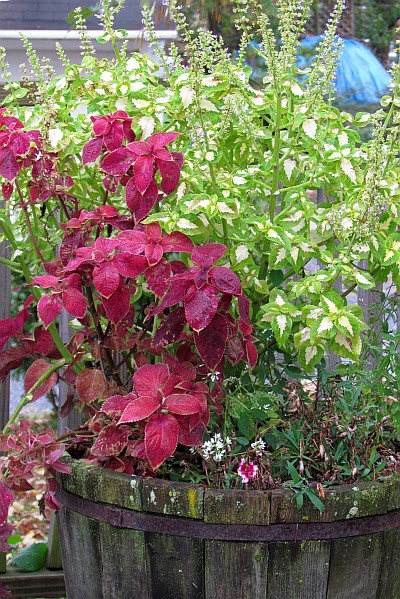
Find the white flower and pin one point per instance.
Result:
(258, 446)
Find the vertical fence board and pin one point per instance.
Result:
(73, 419)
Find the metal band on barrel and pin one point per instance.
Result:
(197, 529)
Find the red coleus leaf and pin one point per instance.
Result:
(42, 342)
(6, 499)
(143, 171)
(5, 531)
(117, 162)
(118, 304)
(158, 277)
(176, 242)
(188, 435)
(119, 464)
(174, 295)
(111, 441)
(171, 328)
(170, 173)
(74, 302)
(244, 309)
(6, 190)
(154, 253)
(211, 341)
(9, 167)
(130, 265)
(10, 359)
(92, 150)
(251, 352)
(91, 385)
(159, 140)
(101, 125)
(161, 438)
(150, 379)
(225, 280)
(45, 281)
(114, 406)
(34, 373)
(136, 449)
(114, 138)
(13, 327)
(182, 404)
(202, 254)
(200, 306)
(106, 279)
(234, 349)
(139, 148)
(139, 408)
(140, 204)
(49, 307)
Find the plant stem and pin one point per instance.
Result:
(107, 352)
(277, 147)
(27, 398)
(29, 225)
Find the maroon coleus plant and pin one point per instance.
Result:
(18, 150)
(136, 164)
(192, 314)
(150, 241)
(206, 292)
(164, 401)
(110, 131)
(107, 269)
(65, 292)
(27, 451)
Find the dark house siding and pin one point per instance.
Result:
(51, 14)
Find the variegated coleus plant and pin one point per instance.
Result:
(180, 220)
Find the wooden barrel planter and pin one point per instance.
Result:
(125, 537)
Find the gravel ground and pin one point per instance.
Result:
(17, 392)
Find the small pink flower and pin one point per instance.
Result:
(247, 471)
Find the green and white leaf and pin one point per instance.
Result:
(282, 327)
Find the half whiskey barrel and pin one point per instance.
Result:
(125, 537)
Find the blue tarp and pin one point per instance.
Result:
(360, 77)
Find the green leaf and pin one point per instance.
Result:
(14, 539)
(299, 497)
(244, 425)
(31, 559)
(293, 472)
(276, 277)
(310, 355)
(86, 12)
(364, 279)
(315, 500)
(103, 39)
(282, 326)
(242, 440)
